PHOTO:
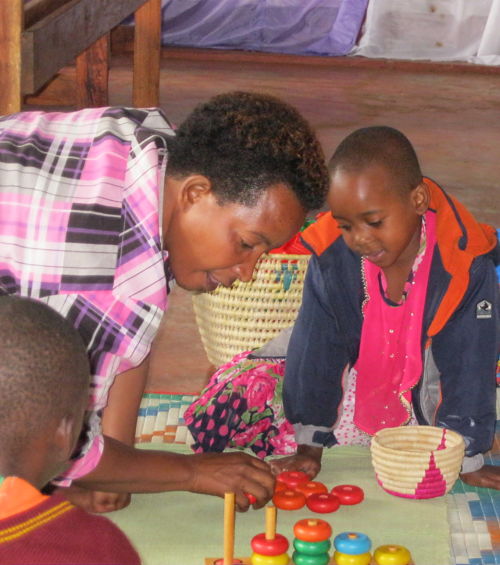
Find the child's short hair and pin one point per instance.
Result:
(245, 142)
(380, 145)
(44, 369)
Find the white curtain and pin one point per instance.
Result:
(438, 30)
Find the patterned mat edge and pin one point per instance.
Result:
(161, 418)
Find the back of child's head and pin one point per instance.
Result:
(245, 142)
(383, 146)
(44, 370)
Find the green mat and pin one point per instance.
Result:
(183, 528)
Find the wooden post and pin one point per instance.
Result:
(270, 522)
(147, 48)
(11, 27)
(228, 528)
(92, 72)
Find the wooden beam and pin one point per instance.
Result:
(60, 91)
(11, 25)
(36, 10)
(147, 50)
(92, 72)
(55, 40)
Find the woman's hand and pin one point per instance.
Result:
(307, 459)
(243, 474)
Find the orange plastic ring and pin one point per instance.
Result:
(312, 529)
(289, 499)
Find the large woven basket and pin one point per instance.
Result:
(247, 315)
(417, 461)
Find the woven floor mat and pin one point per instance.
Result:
(161, 419)
(473, 513)
(474, 517)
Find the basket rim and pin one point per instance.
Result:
(406, 454)
(455, 441)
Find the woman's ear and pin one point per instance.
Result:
(421, 198)
(194, 188)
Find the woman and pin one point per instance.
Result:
(100, 208)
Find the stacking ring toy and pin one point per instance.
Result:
(311, 487)
(323, 502)
(289, 499)
(251, 498)
(293, 478)
(259, 559)
(349, 494)
(346, 559)
(312, 547)
(312, 529)
(391, 555)
(260, 544)
(352, 542)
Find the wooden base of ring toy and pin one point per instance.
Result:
(219, 561)
(246, 561)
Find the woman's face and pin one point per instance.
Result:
(211, 244)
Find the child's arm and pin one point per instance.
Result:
(465, 355)
(316, 357)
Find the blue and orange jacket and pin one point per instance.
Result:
(460, 334)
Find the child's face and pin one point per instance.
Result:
(210, 244)
(378, 221)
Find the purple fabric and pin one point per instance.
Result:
(304, 27)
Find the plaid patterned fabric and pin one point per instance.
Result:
(80, 195)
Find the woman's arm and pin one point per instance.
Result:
(123, 468)
(119, 418)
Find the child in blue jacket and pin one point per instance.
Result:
(399, 322)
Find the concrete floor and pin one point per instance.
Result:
(451, 113)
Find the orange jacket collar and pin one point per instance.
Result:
(460, 239)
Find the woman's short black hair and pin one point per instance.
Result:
(245, 142)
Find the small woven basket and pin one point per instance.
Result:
(247, 315)
(417, 461)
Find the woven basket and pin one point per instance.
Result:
(417, 461)
(247, 315)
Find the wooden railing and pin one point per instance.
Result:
(40, 37)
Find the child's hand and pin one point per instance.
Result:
(95, 501)
(488, 477)
(218, 473)
(101, 502)
(307, 459)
